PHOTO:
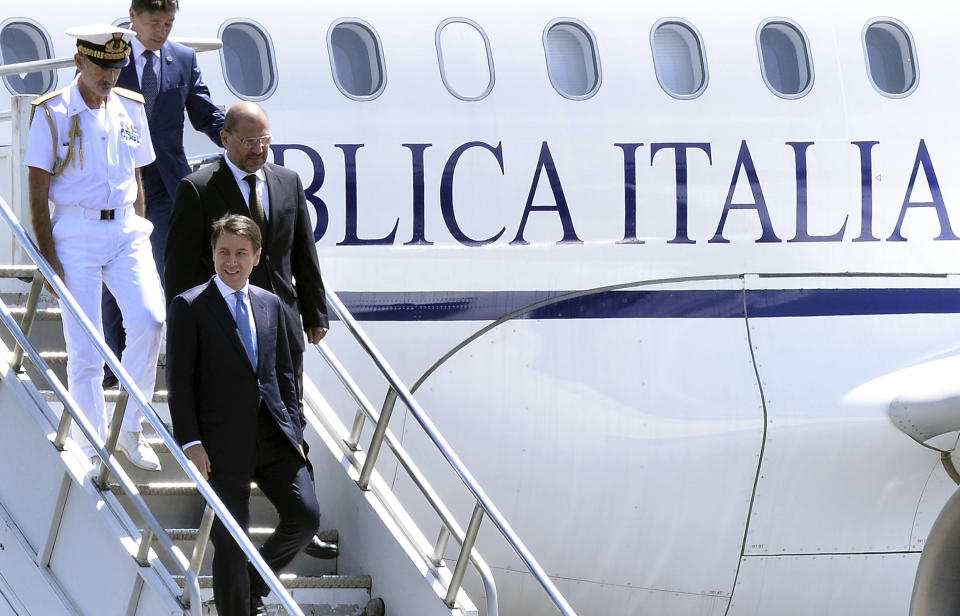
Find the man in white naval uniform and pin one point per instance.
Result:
(87, 143)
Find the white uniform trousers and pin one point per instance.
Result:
(116, 253)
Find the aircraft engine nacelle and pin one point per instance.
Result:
(930, 408)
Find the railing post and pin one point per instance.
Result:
(468, 540)
(36, 286)
(203, 536)
(20, 105)
(111, 445)
(143, 555)
(378, 435)
(63, 430)
(353, 441)
(440, 547)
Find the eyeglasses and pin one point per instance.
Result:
(250, 142)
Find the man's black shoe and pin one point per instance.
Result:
(256, 606)
(110, 381)
(324, 550)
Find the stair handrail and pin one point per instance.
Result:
(349, 447)
(49, 64)
(483, 504)
(106, 451)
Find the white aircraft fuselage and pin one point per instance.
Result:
(683, 317)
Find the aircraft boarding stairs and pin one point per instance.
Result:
(82, 547)
(109, 539)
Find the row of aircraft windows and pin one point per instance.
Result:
(466, 61)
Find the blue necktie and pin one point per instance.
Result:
(243, 324)
(148, 83)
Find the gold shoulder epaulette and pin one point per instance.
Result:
(134, 96)
(44, 98)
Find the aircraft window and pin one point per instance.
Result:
(248, 60)
(891, 57)
(678, 58)
(23, 40)
(785, 58)
(356, 58)
(466, 63)
(573, 63)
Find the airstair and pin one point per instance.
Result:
(102, 538)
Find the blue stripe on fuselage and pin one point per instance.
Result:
(639, 304)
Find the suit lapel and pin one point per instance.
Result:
(216, 306)
(166, 68)
(128, 77)
(274, 194)
(228, 191)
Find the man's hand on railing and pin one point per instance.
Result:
(198, 455)
(316, 334)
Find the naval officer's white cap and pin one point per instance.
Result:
(106, 45)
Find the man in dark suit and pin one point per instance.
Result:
(243, 182)
(235, 411)
(178, 85)
(166, 74)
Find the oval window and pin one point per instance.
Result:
(785, 61)
(466, 63)
(249, 65)
(25, 41)
(356, 59)
(678, 59)
(891, 58)
(573, 63)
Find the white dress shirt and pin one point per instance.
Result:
(262, 191)
(229, 296)
(139, 61)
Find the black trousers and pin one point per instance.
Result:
(287, 481)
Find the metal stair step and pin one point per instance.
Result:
(17, 271)
(42, 314)
(256, 534)
(291, 581)
(53, 358)
(172, 488)
(59, 358)
(111, 395)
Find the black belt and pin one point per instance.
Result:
(108, 214)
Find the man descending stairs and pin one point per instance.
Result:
(312, 577)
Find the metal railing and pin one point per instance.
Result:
(483, 505)
(106, 451)
(197, 44)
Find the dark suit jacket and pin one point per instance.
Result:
(180, 86)
(289, 251)
(214, 393)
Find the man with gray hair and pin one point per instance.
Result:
(86, 147)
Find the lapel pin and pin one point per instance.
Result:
(169, 58)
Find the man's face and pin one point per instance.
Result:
(245, 146)
(95, 78)
(152, 27)
(234, 259)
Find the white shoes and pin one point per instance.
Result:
(137, 450)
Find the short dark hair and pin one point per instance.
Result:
(235, 224)
(164, 6)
